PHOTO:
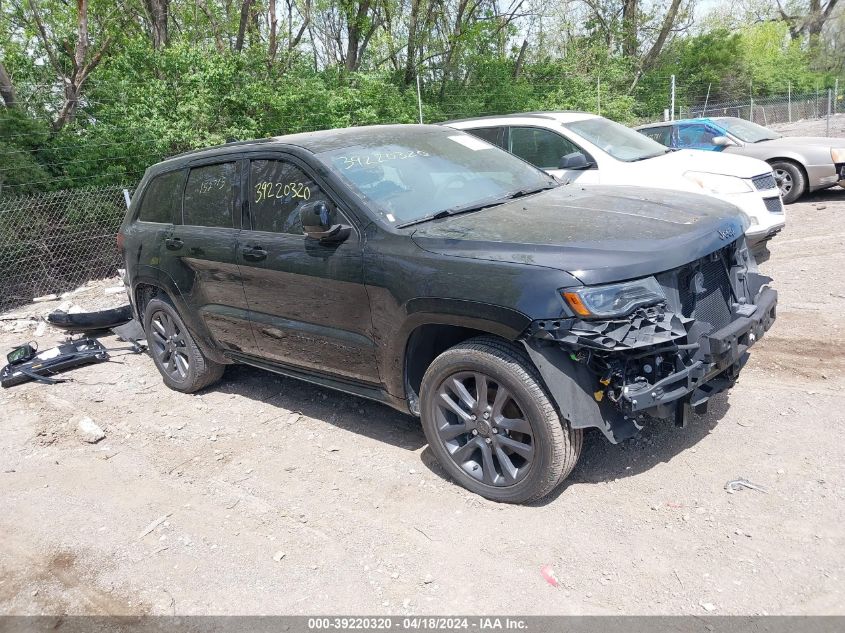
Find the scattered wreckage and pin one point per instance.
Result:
(27, 363)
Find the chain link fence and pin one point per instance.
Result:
(56, 241)
(772, 110)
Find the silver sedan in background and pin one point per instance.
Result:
(801, 163)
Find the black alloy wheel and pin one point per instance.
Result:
(169, 346)
(491, 424)
(484, 429)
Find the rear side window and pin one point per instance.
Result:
(210, 195)
(662, 134)
(159, 203)
(277, 190)
(492, 135)
(541, 148)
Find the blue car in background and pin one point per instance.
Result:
(800, 163)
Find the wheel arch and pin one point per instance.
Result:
(428, 334)
(145, 287)
(795, 161)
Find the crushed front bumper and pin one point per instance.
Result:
(727, 354)
(656, 363)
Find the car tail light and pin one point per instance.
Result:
(120, 238)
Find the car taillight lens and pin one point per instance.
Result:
(120, 238)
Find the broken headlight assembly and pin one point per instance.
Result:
(613, 300)
(837, 154)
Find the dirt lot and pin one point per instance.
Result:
(283, 498)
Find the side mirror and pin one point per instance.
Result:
(319, 222)
(722, 141)
(575, 160)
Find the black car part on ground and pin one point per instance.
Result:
(43, 366)
(661, 361)
(90, 321)
(53, 361)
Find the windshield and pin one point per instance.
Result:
(746, 130)
(617, 140)
(419, 172)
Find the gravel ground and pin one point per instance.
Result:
(814, 127)
(264, 495)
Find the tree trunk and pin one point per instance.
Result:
(410, 56)
(239, 42)
(159, 13)
(355, 34)
(665, 29)
(7, 89)
(273, 23)
(81, 69)
(520, 59)
(453, 43)
(629, 28)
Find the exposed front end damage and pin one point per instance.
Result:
(663, 360)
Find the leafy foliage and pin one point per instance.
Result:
(192, 85)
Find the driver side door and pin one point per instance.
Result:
(307, 302)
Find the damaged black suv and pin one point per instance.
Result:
(426, 269)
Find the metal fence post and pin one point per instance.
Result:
(827, 133)
(835, 95)
(789, 100)
(751, 103)
(672, 113)
(419, 98)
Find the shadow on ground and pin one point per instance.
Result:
(350, 413)
(601, 461)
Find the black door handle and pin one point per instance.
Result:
(173, 243)
(254, 253)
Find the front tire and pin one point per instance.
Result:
(491, 424)
(179, 360)
(791, 180)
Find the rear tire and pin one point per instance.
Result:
(491, 424)
(791, 180)
(179, 360)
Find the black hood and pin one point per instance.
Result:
(598, 234)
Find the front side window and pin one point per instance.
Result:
(278, 189)
(408, 174)
(210, 195)
(542, 148)
(696, 136)
(161, 197)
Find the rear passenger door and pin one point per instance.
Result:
(200, 252)
(160, 207)
(307, 300)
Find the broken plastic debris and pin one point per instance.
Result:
(548, 573)
(738, 484)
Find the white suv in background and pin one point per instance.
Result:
(586, 148)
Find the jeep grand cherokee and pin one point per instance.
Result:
(424, 268)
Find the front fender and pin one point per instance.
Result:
(571, 385)
(483, 317)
